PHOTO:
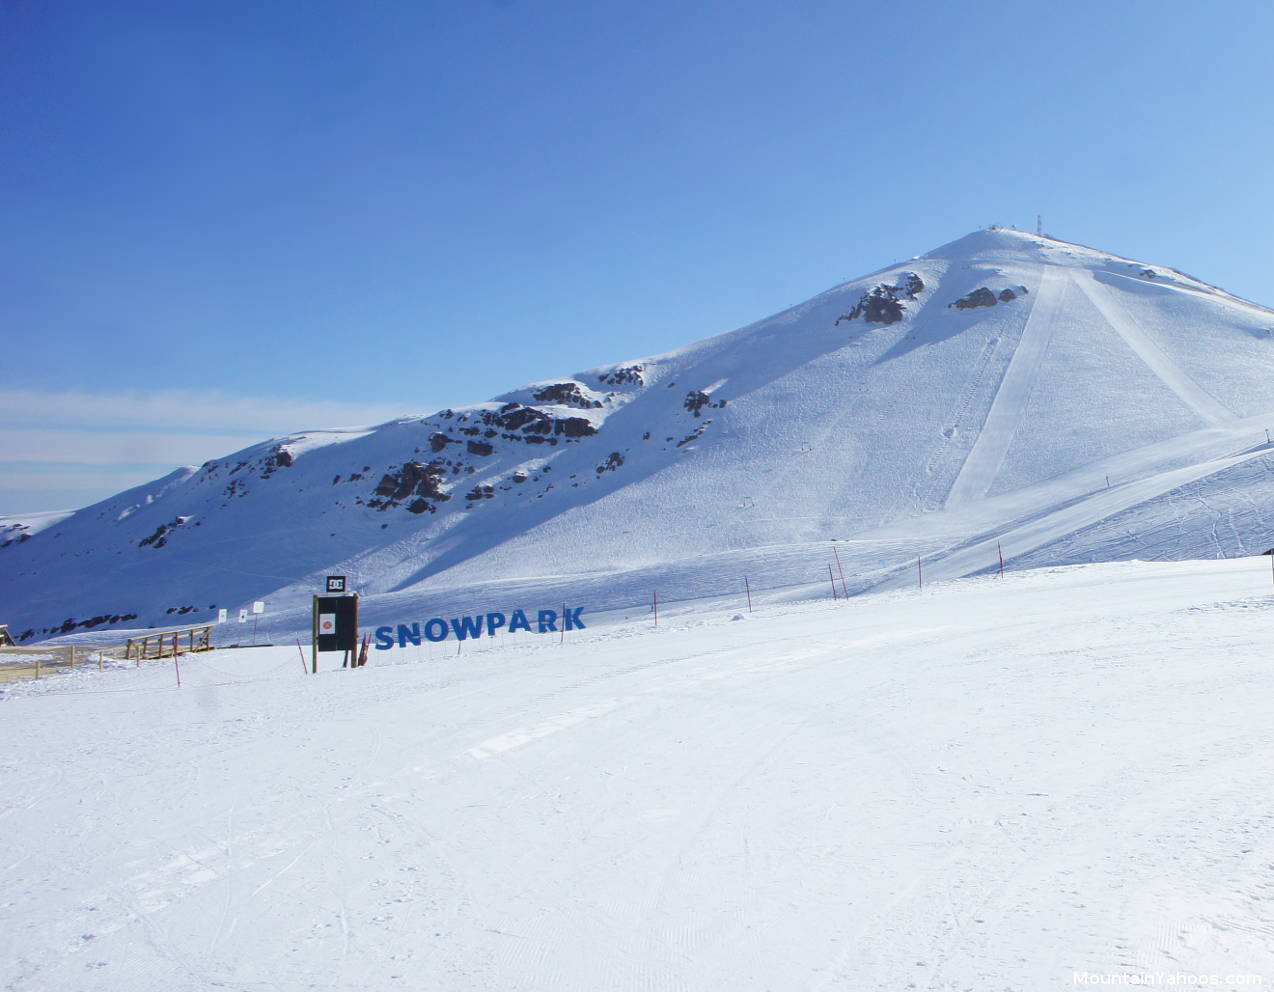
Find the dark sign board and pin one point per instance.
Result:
(336, 623)
(336, 583)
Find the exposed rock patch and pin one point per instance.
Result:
(412, 480)
(613, 461)
(697, 400)
(160, 537)
(985, 297)
(630, 375)
(884, 304)
(70, 624)
(531, 422)
(566, 394)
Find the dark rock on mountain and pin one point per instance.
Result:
(980, 297)
(413, 479)
(884, 303)
(630, 375)
(565, 394)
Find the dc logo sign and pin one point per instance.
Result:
(336, 583)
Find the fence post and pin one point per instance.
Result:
(748, 588)
(843, 588)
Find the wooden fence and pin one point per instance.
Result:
(41, 660)
(169, 643)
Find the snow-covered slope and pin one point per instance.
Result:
(989, 785)
(1004, 390)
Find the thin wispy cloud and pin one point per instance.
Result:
(63, 448)
(177, 409)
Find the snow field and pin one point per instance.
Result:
(993, 783)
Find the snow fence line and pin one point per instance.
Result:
(18, 664)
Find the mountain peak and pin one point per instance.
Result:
(1004, 389)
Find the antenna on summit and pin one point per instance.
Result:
(1039, 225)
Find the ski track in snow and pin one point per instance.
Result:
(1172, 375)
(990, 784)
(984, 460)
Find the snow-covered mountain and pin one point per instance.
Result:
(1004, 392)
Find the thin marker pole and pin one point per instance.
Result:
(843, 587)
(655, 602)
(177, 666)
(563, 640)
(1000, 552)
(301, 651)
(1272, 566)
(748, 588)
(832, 580)
(920, 574)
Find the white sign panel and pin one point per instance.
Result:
(243, 616)
(258, 607)
(222, 616)
(327, 623)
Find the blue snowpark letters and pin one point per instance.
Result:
(464, 628)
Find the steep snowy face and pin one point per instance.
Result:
(996, 381)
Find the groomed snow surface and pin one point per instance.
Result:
(1028, 783)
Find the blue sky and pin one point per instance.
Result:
(226, 221)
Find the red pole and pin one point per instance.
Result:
(832, 580)
(748, 587)
(843, 587)
(301, 652)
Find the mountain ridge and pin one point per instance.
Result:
(933, 401)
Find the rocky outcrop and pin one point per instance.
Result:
(613, 461)
(980, 297)
(282, 457)
(527, 423)
(14, 534)
(630, 375)
(160, 537)
(566, 394)
(884, 304)
(71, 624)
(696, 400)
(424, 482)
(985, 297)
